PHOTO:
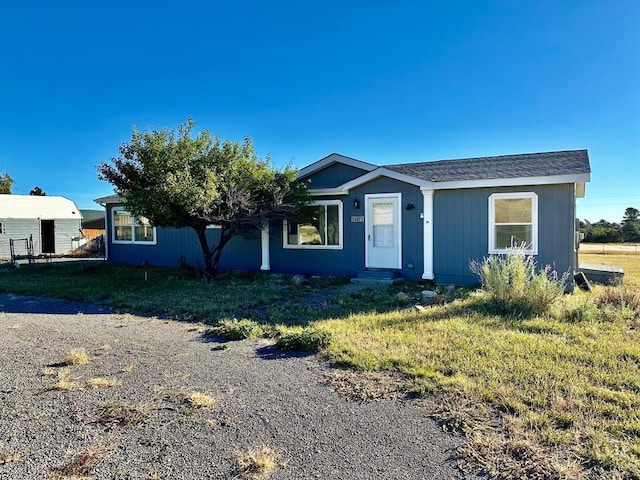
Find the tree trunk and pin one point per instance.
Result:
(207, 254)
(211, 256)
(225, 236)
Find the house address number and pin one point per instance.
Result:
(357, 219)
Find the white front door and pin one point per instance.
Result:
(383, 242)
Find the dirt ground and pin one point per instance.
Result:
(158, 400)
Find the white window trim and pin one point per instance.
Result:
(285, 229)
(133, 240)
(531, 249)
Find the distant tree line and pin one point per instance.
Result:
(603, 231)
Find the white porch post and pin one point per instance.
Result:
(427, 236)
(264, 237)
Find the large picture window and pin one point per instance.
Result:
(513, 221)
(319, 226)
(130, 229)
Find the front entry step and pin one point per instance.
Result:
(377, 277)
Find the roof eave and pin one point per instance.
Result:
(514, 182)
(109, 199)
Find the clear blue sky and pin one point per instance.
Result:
(381, 81)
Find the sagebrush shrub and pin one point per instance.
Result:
(516, 285)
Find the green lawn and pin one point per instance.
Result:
(552, 396)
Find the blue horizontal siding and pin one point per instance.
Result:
(333, 175)
(461, 229)
(174, 244)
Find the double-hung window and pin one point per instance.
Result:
(319, 226)
(130, 229)
(513, 222)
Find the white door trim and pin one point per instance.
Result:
(368, 198)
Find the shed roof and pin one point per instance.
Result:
(34, 206)
(544, 164)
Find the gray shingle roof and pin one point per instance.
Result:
(505, 166)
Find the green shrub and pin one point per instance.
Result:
(234, 329)
(515, 285)
(304, 340)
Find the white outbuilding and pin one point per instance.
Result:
(45, 224)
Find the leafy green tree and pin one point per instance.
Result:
(179, 180)
(603, 231)
(37, 192)
(631, 225)
(6, 182)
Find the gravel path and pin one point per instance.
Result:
(263, 398)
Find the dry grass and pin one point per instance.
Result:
(83, 464)
(101, 382)
(6, 458)
(128, 369)
(64, 382)
(15, 326)
(197, 399)
(256, 464)
(76, 356)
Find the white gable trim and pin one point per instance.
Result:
(335, 158)
(384, 172)
(513, 182)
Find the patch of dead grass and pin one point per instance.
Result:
(197, 399)
(64, 382)
(82, 465)
(367, 386)
(103, 382)
(460, 414)
(6, 458)
(76, 356)
(514, 454)
(256, 464)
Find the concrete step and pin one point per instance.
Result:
(377, 277)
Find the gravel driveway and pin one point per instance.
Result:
(262, 398)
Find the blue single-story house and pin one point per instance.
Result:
(420, 220)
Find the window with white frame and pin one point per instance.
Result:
(319, 226)
(513, 222)
(130, 229)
